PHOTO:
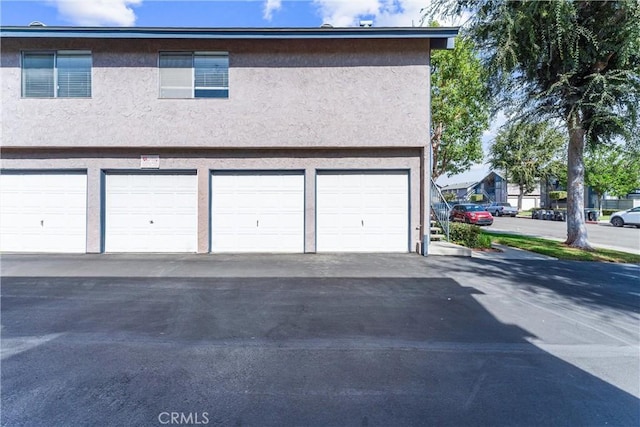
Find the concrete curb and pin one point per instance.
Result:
(509, 252)
(449, 249)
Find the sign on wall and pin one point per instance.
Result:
(149, 161)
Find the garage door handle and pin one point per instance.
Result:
(42, 223)
(151, 222)
(362, 222)
(257, 223)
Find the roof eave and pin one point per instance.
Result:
(442, 37)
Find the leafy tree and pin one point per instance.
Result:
(557, 171)
(612, 171)
(557, 195)
(526, 151)
(460, 108)
(577, 61)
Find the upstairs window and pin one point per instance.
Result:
(194, 75)
(61, 74)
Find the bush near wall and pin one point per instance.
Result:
(449, 197)
(609, 211)
(476, 197)
(468, 235)
(557, 195)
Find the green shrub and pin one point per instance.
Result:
(484, 241)
(468, 235)
(609, 211)
(476, 197)
(557, 195)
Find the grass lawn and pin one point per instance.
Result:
(561, 251)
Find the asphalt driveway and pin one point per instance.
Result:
(348, 340)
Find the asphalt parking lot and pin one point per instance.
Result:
(327, 340)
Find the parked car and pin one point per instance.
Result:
(628, 217)
(499, 209)
(561, 214)
(471, 214)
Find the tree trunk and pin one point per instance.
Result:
(600, 202)
(520, 196)
(576, 228)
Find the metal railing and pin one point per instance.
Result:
(440, 209)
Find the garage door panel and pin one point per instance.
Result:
(151, 213)
(362, 212)
(257, 212)
(43, 212)
(233, 220)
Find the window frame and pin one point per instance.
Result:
(56, 88)
(194, 88)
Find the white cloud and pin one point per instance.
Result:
(98, 12)
(406, 14)
(385, 13)
(271, 6)
(345, 13)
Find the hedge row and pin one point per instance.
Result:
(468, 235)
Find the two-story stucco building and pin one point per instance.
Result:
(215, 140)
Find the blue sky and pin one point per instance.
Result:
(212, 13)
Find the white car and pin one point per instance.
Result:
(628, 217)
(499, 209)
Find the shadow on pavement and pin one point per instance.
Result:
(591, 284)
(283, 351)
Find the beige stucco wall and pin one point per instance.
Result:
(97, 162)
(283, 93)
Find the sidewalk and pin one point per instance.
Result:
(509, 253)
(245, 265)
(503, 252)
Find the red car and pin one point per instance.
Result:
(471, 214)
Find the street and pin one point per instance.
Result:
(326, 340)
(624, 239)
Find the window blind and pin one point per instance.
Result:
(74, 75)
(211, 75)
(176, 75)
(38, 75)
(194, 75)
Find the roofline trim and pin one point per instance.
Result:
(230, 33)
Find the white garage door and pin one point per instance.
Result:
(257, 212)
(151, 213)
(43, 212)
(362, 212)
